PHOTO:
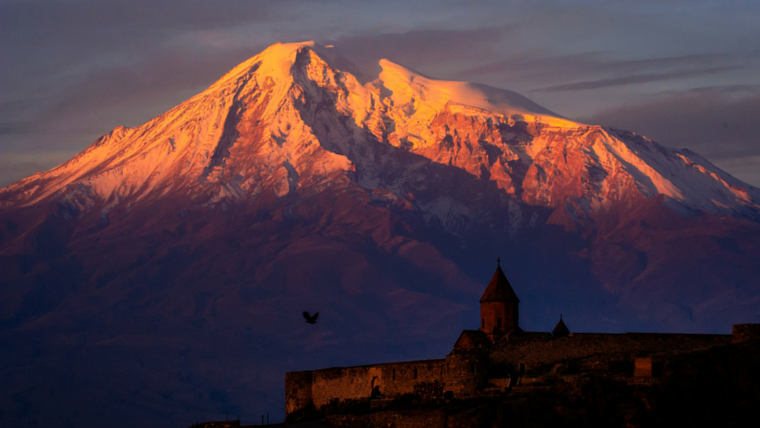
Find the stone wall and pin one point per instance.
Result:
(536, 351)
(745, 332)
(467, 369)
(321, 387)
(466, 372)
(411, 419)
(298, 386)
(217, 424)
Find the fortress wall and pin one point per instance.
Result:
(540, 351)
(298, 387)
(745, 332)
(393, 380)
(420, 377)
(414, 419)
(466, 372)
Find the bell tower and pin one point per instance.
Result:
(499, 306)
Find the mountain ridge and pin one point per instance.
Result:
(408, 108)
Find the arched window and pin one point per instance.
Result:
(498, 322)
(482, 323)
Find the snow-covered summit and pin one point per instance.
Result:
(275, 62)
(407, 85)
(295, 119)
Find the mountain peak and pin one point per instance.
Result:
(276, 61)
(295, 114)
(407, 85)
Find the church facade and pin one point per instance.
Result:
(494, 358)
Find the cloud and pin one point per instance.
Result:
(632, 80)
(607, 79)
(9, 128)
(720, 123)
(434, 51)
(69, 112)
(15, 166)
(543, 67)
(134, 14)
(745, 168)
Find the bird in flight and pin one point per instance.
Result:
(311, 319)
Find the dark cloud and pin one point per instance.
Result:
(547, 67)
(719, 123)
(78, 107)
(632, 80)
(162, 77)
(433, 51)
(7, 128)
(15, 166)
(538, 61)
(54, 37)
(134, 14)
(81, 67)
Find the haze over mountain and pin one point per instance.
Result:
(160, 275)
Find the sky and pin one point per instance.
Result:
(684, 73)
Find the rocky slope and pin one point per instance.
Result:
(182, 252)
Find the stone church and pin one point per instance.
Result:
(496, 357)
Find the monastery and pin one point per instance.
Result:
(496, 357)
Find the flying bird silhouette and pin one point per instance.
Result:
(311, 319)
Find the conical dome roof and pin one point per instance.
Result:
(561, 329)
(499, 289)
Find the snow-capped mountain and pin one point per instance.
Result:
(289, 184)
(287, 119)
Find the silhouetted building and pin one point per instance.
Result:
(561, 329)
(495, 357)
(499, 307)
